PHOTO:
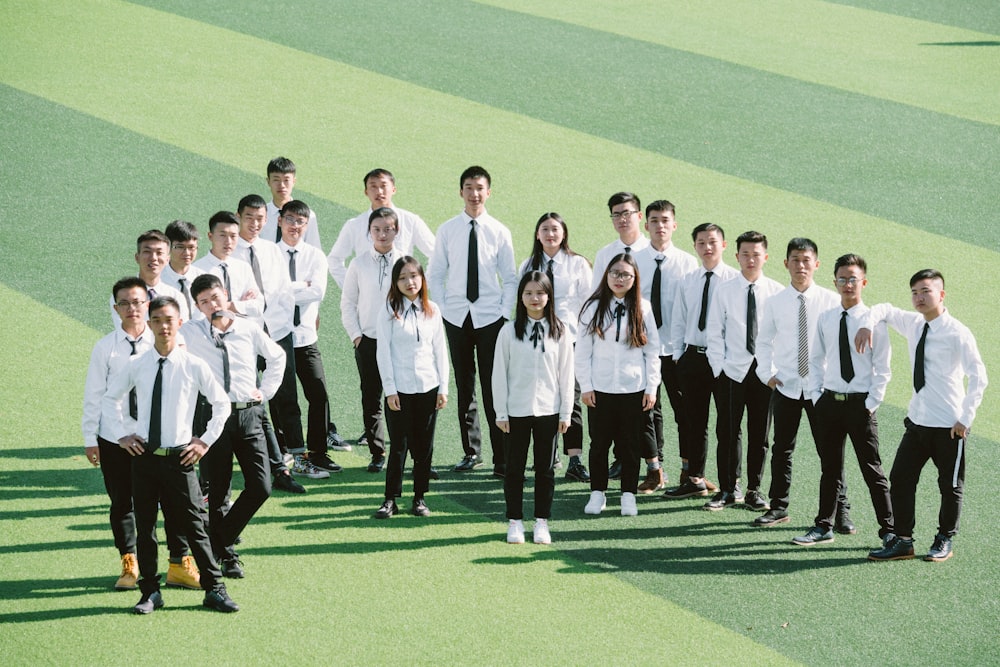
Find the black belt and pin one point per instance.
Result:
(856, 396)
(245, 405)
(167, 451)
(696, 348)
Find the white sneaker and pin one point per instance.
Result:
(596, 504)
(303, 466)
(540, 534)
(628, 504)
(515, 532)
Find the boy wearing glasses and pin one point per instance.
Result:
(180, 270)
(626, 218)
(847, 386)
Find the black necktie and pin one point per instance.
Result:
(383, 269)
(133, 401)
(549, 271)
(255, 265)
(846, 366)
(296, 320)
(155, 410)
(703, 316)
(187, 294)
(412, 310)
(751, 321)
(151, 293)
(472, 280)
(220, 343)
(803, 338)
(225, 281)
(537, 335)
(277, 234)
(654, 294)
(628, 250)
(619, 311)
(918, 360)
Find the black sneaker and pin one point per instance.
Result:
(420, 507)
(219, 600)
(755, 501)
(324, 462)
(232, 568)
(771, 518)
(940, 550)
(687, 489)
(376, 464)
(843, 524)
(388, 509)
(896, 549)
(148, 603)
(470, 462)
(577, 471)
(285, 482)
(720, 501)
(816, 535)
(362, 441)
(336, 442)
(615, 470)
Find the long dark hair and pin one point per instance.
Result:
(548, 314)
(395, 298)
(537, 252)
(603, 296)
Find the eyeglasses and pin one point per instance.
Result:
(621, 275)
(125, 305)
(294, 222)
(852, 281)
(622, 215)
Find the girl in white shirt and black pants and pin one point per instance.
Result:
(618, 368)
(413, 362)
(533, 395)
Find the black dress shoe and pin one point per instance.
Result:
(420, 508)
(687, 489)
(376, 464)
(615, 471)
(232, 568)
(843, 524)
(148, 602)
(388, 509)
(771, 518)
(896, 549)
(470, 462)
(577, 471)
(720, 501)
(755, 501)
(286, 482)
(940, 550)
(219, 600)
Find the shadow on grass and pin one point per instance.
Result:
(59, 614)
(366, 547)
(982, 43)
(24, 589)
(42, 547)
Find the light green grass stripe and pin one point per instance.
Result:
(862, 51)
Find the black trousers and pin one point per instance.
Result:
(411, 429)
(919, 444)
(697, 389)
(371, 394)
(309, 369)
(839, 420)
(787, 416)
(467, 346)
(734, 398)
(243, 437)
(545, 431)
(116, 468)
(284, 406)
(618, 419)
(164, 480)
(668, 372)
(573, 437)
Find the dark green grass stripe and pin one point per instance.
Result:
(877, 157)
(981, 15)
(87, 169)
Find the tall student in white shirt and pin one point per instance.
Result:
(152, 249)
(733, 323)
(570, 275)
(943, 357)
(689, 340)
(533, 391)
(362, 301)
(847, 387)
(180, 270)
(413, 364)
(787, 326)
(281, 174)
(413, 232)
(662, 265)
(473, 277)
(167, 381)
(618, 367)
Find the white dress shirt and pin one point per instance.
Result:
(279, 300)
(354, 240)
(448, 271)
(727, 325)
(172, 278)
(411, 352)
(109, 356)
(161, 289)
(615, 367)
(184, 377)
(245, 341)
(310, 267)
(613, 249)
(871, 368)
(367, 283)
(687, 307)
(241, 279)
(269, 232)
(950, 356)
(532, 378)
(572, 275)
(674, 265)
(778, 335)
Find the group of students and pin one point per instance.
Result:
(162, 395)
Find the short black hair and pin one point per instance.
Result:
(707, 227)
(751, 237)
(851, 259)
(475, 171)
(251, 201)
(180, 231)
(205, 282)
(296, 207)
(127, 283)
(162, 302)
(280, 165)
(801, 244)
(927, 274)
(222, 218)
(378, 173)
(623, 197)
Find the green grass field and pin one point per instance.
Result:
(871, 127)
